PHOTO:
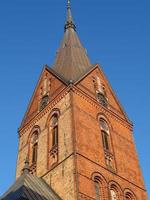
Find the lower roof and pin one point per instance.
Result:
(30, 187)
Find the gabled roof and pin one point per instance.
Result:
(28, 116)
(71, 61)
(30, 187)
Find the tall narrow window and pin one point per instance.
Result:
(44, 102)
(113, 195)
(53, 142)
(55, 130)
(97, 190)
(105, 137)
(102, 99)
(105, 134)
(34, 142)
(55, 136)
(101, 94)
(34, 154)
(34, 151)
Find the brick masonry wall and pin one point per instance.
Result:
(61, 176)
(89, 144)
(86, 169)
(80, 148)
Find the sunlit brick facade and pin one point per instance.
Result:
(76, 134)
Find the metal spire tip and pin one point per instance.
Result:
(68, 4)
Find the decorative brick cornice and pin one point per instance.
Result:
(102, 109)
(82, 94)
(104, 168)
(39, 115)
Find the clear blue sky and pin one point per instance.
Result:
(116, 34)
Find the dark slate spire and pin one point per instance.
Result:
(26, 168)
(71, 61)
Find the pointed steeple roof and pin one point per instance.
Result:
(71, 61)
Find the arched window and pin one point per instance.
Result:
(33, 150)
(113, 195)
(97, 186)
(53, 140)
(54, 130)
(105, 134)
(102, 99)
(108, 151)
(105, 140)
(44, 102)
(129, 196)
(34, 143)
(100, 186)
(34, 154)
(115, 192)
(100, 91)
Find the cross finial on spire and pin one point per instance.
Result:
(68, 4)
(69, 22)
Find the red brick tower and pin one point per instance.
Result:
(76, 134)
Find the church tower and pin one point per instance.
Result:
(75, 133)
